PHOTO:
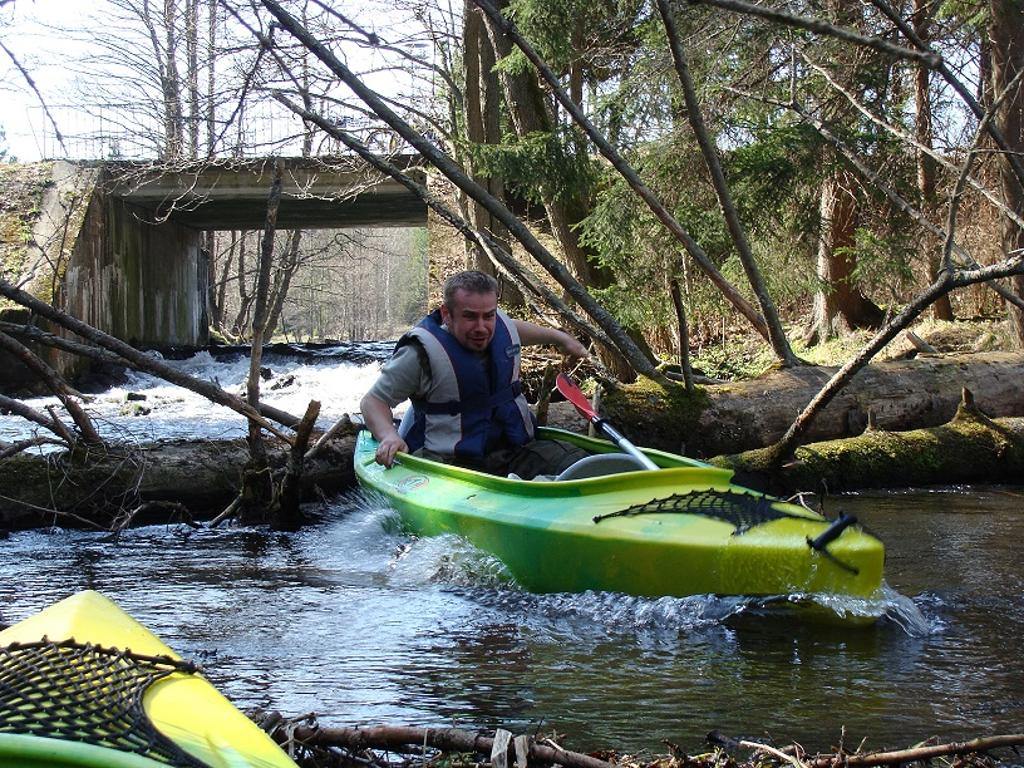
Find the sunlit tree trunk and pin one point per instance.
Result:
(192, 57)
(923, 127)
(171, 84)
(1007, 36)
(839, 306)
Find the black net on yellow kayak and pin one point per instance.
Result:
(86, 693)
(741, 510)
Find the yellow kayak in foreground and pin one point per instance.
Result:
(84, 684)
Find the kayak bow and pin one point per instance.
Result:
(83, 684)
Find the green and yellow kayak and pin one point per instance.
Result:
(83, 684)
(683, 529)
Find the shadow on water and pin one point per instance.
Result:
(361, 624)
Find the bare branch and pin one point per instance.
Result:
(35, 89)
(494, 249)
(31, 414)
(921, 754)
(55, 384)
(938, 157)
(10, 449)
(946, 282)
(776, 334)
(957, 85)
(138, 359)
(820, 27)
(629, 174)
(886, 189)
(449, 168)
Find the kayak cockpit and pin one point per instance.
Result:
(600, 464)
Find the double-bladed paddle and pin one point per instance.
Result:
(575, 396)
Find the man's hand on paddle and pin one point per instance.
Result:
(573, 350)
(531, 333)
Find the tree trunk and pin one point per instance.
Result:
(283, 279)
(483, 126)
(1007, 36)
(969, 449)
(211, 80)
(839, 306)
(192, 56)
(171, 86)
(923, 129)
(531, 114)
(200, 474)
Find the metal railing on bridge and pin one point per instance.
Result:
(136, 132)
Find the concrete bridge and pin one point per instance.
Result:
(123, 242)
(321, 193)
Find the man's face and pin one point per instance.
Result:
(471, 318)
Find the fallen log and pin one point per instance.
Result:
(97, 488)
(741, 416)
(89, 487)
(970, 448)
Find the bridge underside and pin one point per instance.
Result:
(315, 195)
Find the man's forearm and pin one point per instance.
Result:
(531, 333)
(378, 417)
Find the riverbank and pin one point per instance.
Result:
(317, 746)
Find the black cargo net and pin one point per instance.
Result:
(741, 510)
(85, 693)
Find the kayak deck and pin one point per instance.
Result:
(680, 530)
(73, 677)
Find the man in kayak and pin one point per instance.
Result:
(460, 369)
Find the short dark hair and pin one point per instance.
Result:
(471, 281)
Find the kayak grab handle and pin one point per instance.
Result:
(831, 533)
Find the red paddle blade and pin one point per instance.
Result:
(575, 396)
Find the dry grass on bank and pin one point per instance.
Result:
(747, 355)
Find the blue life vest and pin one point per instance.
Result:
(475, 403)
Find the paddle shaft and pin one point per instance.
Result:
(623, 443)
(575, 396)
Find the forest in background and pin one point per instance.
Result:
(848, 153)
(322, 283)
(653, 176)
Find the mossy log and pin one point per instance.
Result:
(970, 448)
(739, 416)
(100, 490)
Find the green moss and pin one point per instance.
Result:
(653, 413)
(22, 187)
(970, 448)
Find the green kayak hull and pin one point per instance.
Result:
(625, 532)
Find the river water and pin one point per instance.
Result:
(353, 620)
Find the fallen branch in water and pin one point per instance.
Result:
(914, 754)
(794, 755)
(516, 750)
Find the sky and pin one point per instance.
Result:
(54, 60)
(50, 59)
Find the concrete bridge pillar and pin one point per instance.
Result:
(140, 280)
